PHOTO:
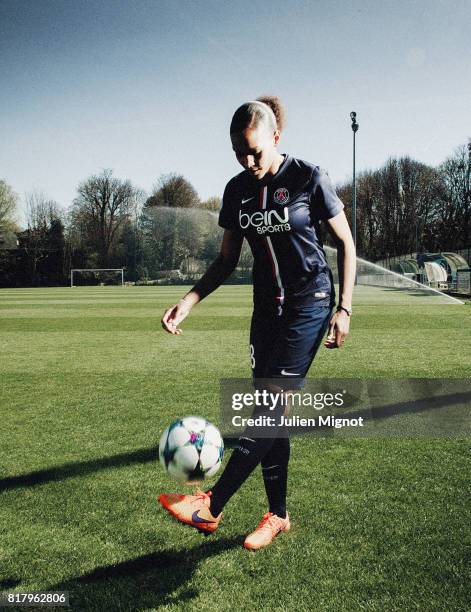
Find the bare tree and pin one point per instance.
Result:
(41, 214)
(40, 210)
(396, 205)
(454, 218)
(104, 204)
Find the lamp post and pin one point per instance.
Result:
(355, 126)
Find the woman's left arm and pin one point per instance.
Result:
(346, 260)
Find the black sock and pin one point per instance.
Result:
(244, 459)
(275, 475)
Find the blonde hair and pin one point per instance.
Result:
(265, 109)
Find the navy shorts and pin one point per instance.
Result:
(282, 347)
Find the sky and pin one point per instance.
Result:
(148, 87)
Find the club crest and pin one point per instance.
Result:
(281, 195)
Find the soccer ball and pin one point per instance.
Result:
(191, 449)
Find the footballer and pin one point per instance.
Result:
(277, 204)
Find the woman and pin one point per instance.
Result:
(276, 203)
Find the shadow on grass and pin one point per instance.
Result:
(425, 404)
(9, 583)
(379, 415)
(79, 468)
(144, 455)
(146, 582)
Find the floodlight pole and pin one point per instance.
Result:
(355, 127)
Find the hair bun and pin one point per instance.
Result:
(277, 107)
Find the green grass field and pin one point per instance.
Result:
(88, 382)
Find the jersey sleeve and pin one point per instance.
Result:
(325, 202)
(228, 211)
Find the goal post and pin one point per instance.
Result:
(96, 270)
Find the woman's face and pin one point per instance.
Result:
(255, 149)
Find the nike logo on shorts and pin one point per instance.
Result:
(247, 200)
(283, 373)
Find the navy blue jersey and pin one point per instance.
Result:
(280, 220)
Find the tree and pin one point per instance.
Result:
(103, 206)
(130, 251)
(40, 211)
(41, 245)
(77, 248)
(8, 238)
(174, 191)
(453, 221)
(395, 205)
(8, 205)
(54, 264)
(172, 235)
(213, 203)
(171, 223)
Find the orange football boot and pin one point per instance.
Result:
(268, 528)
(192, 510)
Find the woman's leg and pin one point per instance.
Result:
(275, 475)
(284, 347)
(278, 345)
(250, 451)
(303, 334)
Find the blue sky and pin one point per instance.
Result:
(149, 87)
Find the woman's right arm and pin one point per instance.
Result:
(221, 268)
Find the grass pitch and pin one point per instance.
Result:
(88, 382)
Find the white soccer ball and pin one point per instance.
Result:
(191, 449)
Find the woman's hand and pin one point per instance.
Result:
(174, 315)
(339, 325)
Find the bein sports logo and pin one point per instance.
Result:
(267, 221)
